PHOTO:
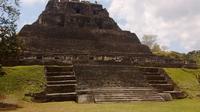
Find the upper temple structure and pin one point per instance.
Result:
(88, 58)
(74, 27)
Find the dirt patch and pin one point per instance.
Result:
(2, 97)
(6, 107)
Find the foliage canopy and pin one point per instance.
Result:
(9, 14)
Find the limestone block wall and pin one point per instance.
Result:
(97, 76)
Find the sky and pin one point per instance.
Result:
(175, 22)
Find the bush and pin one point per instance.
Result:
(1, 71)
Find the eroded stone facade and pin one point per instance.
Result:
(82, 32)
(78, 28)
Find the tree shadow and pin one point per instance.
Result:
(8, 107)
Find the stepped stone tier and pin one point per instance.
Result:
(89, 58)
(70, 31)
(107, 83)
(78, 28)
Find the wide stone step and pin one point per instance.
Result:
(61, 78)
(117, 100)
(60, 94)
(163, 87)
(126, 96)
(59, 73)
(123, 92)
(155, 70)
(155, 77)
(157, 81)
(59, 68)
(123, 89)
(102, 100)
(62, 82)
(61, 85)
(151, 73)
(62, 88)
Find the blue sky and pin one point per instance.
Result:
(175, 22)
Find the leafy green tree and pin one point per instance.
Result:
(177, 55)
(194, 55)
(156, 48)
(9, 44)
(149, 40)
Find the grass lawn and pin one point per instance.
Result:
(186, 79)
(21, 80)
(24, 79)
(186, 105)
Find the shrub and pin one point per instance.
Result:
(1, 71)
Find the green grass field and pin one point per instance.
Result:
(25, 79)
(21, 80)
(186, 79)
(186, 105)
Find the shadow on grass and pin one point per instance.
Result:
(8, 107)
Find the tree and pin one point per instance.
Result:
(149, 40)
(177, 55)
(156, 48)
(195, 56)
(164, 48)
(9, 14)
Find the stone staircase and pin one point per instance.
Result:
(159, 80)
(125, 94)
(61, 83)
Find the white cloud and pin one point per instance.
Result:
(174, 21)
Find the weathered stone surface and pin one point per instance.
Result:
(61, 83)
(166, 96)
(98, 76)
(85, 98)
(78, 27)
(159, 79)
(77, 32)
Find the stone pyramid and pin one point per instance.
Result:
(78, 27)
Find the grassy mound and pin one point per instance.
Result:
(21, 80)
(186, 79)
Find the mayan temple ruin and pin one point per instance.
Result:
(88, 58)
(79, 28)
